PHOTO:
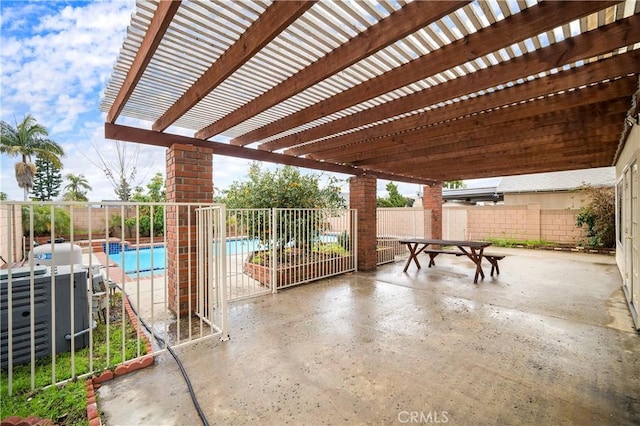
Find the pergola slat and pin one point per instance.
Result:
(531, 21)
(152, 38)
(564, 102)
(584, 46)
(270, 24)
(396, 26)
(407, 91)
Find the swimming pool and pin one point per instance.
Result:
(133, 261)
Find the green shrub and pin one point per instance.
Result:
(599, 217)
(42, 221)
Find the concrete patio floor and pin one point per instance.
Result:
(549, 341)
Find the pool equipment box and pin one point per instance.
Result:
(21, 313)
(56, 254)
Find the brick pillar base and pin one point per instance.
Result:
(189, 180)
(432, 200)
(362, 196)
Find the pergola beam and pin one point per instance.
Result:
(150, 137)
(530, 22)
(591, 44)
(593, 72)
(493, 122)
(275, 19)
(159, 23)
(396, 26)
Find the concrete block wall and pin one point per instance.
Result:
(512, 222)
(560, 226)
(515, 222)
(11, 237)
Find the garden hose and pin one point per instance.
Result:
(164, 343)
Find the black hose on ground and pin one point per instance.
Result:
(164, 343)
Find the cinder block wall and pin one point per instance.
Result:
(560, 226)
(518, 223)
(11, 235)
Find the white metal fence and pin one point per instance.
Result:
(394, 224)
(287, 247)
(98, 285)
(90, 291)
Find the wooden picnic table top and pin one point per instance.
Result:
(458, 243)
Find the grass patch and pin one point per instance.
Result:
(509, 242)
(66, 404)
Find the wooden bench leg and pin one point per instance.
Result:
(432, 257)
(494, 265)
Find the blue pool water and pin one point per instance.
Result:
(131, 258)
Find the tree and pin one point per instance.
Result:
(599, 216)
(46, 184)
(120, 169)
(76, 188)
(25, 140)
(454, 184)
(148, 216)
(394, 199)
(283, 188)
(3, 196)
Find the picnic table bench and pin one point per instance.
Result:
(474, 250)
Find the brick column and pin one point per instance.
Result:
(362, 196)
(432, 200)
(189, 180)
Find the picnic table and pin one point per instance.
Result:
(472, 249)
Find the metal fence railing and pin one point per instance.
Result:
(287, 247)
(89, 286)
(394, 224)
(88, 289)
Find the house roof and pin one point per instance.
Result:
(407, 91)
(472, 194)
(558, 181)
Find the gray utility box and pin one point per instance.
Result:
(44, 333)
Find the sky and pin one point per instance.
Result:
(55, 61)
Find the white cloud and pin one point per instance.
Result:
(56, 58)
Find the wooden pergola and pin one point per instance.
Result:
(417, 91)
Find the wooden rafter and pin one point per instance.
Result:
(593, 72)
(278, 16)
(584, 46)
(159, 23)
(405, 141)
(456, 148)
(395, 27)
(530, 22)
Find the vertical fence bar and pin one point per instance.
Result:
(10, 312)
(32, 304)
(90, 232)
(222, 276)
(53, 294)
(72, 298)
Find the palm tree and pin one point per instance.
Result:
(75, 187)
(25, 140)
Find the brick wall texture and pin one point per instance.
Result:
(362, 196)
(189, 179)
(432, 200)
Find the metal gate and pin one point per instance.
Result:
(212, 268)
(270, 249)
